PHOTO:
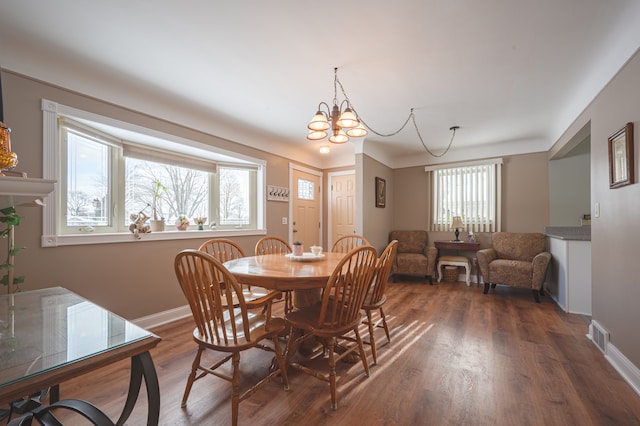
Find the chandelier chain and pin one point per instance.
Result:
(411, 117)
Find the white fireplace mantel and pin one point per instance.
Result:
(16, 191)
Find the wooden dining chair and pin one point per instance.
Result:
(338, 314)
(224, 250)
(346, 243)
(275, 245)
(222, 327)
(376, 296)
(272, 245)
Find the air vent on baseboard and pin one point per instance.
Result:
(599, 336)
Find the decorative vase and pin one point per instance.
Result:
(297, 249)
(182, 223)
(8, 159)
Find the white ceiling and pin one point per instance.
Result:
(513, 74)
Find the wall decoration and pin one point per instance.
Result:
(621, 168)
(381, 192)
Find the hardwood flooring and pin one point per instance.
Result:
(456, 357)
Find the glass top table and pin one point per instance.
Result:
(51, 335)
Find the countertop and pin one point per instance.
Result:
(577, 233)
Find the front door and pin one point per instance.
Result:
(306, 209)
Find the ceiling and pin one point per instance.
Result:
(513, 74)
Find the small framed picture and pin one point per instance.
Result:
(621, 157)
(381, 192)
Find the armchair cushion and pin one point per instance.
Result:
(516, 259)
(414, 256)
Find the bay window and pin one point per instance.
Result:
(108, 174)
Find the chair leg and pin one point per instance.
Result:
(486, 288)
(536, 296)
(384, 324)
(361, 349)
(372, 340)
(281, 363)
(192, 376)
(235, 382)
(332, 374)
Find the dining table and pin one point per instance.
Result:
(303, 275)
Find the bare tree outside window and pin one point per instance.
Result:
(233, 204)
(186, 190)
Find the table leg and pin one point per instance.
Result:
(142, 366)
(307, 297)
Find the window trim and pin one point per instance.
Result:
(51, 150)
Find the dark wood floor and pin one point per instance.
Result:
(457, 357)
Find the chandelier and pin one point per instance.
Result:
(342, 123)
(345, 123)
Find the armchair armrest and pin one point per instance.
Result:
(540, 263)
(486, 256)
(432, 256)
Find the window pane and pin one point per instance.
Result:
(234, 196)
(173, 191)
(87, 181)
(306, 189)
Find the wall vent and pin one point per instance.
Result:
(599, 336)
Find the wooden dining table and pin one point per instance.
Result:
(302, 275)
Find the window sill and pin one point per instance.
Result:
(82, 239)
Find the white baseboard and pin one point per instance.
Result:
(154, 320)
(629, 372)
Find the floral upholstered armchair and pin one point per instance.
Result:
(414, 256)
(516, 259)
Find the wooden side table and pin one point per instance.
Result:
(459, 246)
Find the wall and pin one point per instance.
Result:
(525, 205)
(133, 279)
(570, 186)
(376, 221)
(614, 235)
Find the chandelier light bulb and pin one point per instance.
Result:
(348, 119)
(316, 135)
(319, 122)
(358, 131)
(338, 136)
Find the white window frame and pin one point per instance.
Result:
(493, 188)
(51, 111)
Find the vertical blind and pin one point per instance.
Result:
(471, 192)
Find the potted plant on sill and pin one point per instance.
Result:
(157, 223)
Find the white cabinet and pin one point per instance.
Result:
(569, 275)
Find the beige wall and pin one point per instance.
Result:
(614, 235)
(376, 221)
(525, 197)
(133, 279)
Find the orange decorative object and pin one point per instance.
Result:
(8, 159)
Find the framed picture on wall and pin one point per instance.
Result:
(381, 192)
(621, 157)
